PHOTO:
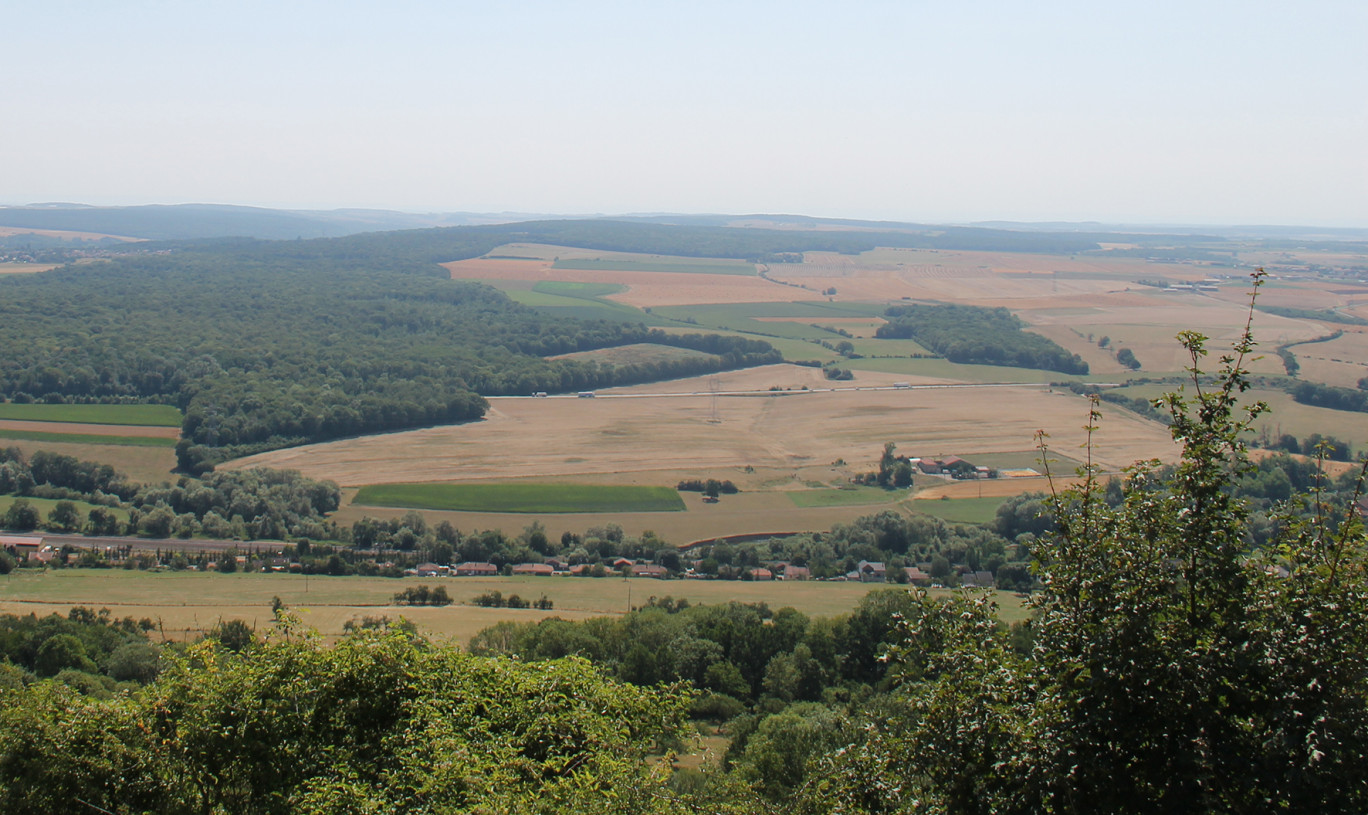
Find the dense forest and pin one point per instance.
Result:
(978, 336)
(268, 345)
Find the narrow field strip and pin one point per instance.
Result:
(521, 498)
(862, 496)
(139, 415)
(87, 438)
(675, 266)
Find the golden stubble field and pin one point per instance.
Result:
(647, 435)
(91, 429)
(1073, 301)
(150, 465)
(644, 289)
(184, 605)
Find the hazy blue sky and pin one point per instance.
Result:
(1195, 112)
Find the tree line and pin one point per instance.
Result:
(255, 503)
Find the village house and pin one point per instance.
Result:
(761, 573)
(916, 576)
(650, 570)
(474, 569)
(536, 569)
(21, 546)
(870, 571)
(979, 580)
(792, 572)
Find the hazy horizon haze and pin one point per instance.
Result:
(1213, 113)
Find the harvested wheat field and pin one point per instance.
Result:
(25, 268)
(1342, 361)
(975, 278)
(769, 444)
(629, 435)
(645, 289)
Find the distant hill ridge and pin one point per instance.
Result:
(172, 222)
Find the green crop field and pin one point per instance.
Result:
(842, 497)
(580, 301)
(522, 497)
(581, 290)
(86, 438)
(790, 349)
(45, 505)
(733, 315)
(140, 415)
(680, 266)
(952, 370)
(635, 354)
(961, 510)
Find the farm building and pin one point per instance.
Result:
(650, 570)
(792, 572)
(982, 580)
(761, 573)
(472, 569)
(870, 571)
(21, 545)
(537, 569)
(916, 576)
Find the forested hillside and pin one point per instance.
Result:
(267, 345)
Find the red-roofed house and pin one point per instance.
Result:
(474, 569)
(538, 569)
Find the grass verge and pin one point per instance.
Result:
(522, 497)
(138, 415)
(683, 266)
(86, 438)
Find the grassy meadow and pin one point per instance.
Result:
(657, 263)
(844, 497)
(86, 438)
(961, 510)
(148, 465)
(136, 415)
(45, 505)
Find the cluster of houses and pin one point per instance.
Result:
(32, 548)
(953, 466)
(621, 566)
(869, 571)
